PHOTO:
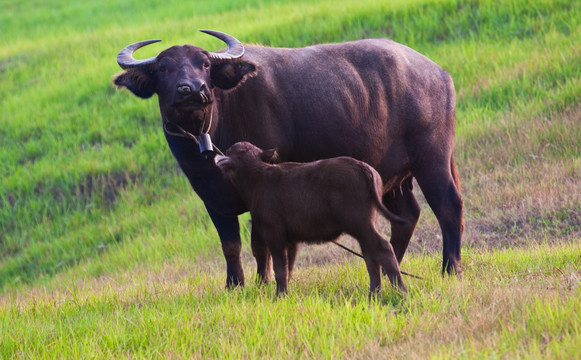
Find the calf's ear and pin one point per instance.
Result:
(229, 75)
(139, 82)
(270, 156)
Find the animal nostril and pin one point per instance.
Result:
(204, 93)
(184, 89)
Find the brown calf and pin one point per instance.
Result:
(312, 202)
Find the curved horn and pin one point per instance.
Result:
(235, 47)
(125, 57)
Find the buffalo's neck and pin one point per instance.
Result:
(246, 114)
(183, 148)
(205, 177)
(229, 125)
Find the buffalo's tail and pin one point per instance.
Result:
(457, 183)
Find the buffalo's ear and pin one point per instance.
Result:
(230, 74)
(270, 156)
(139, 82)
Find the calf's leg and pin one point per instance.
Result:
(379, 255)
(280, 264)
(373, 268)
(262, 255)
(389, 264)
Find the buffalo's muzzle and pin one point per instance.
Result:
(195, 92)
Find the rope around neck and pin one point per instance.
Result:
(188, 135)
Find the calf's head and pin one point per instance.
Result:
(184, 78)
(242, 157)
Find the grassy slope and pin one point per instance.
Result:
(88, 188)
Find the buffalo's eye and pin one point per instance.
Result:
(206, 65)
(162, 68)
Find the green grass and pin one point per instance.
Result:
(102, 241)
(521, 303)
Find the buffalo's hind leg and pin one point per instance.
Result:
(229, 231)
(440, 186)
(402, 201)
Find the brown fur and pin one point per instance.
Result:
(312, 202)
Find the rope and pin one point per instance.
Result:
(185, 134)
(361, 256)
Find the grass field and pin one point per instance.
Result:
(106, 252)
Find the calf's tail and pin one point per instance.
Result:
(376, 185)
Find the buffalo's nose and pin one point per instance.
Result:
(194, 89)
(184, 89)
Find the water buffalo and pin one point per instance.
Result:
(374, 100)
(312, 202)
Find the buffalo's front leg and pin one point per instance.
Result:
(229, 232)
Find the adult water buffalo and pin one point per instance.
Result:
(375, 100)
